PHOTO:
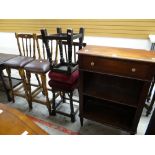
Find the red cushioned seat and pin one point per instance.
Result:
(63, 78)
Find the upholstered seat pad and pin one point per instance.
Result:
(59, 86)
(38, 66)
(63, 78)
(18, 62)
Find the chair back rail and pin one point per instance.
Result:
(26, 44)
(41, 48)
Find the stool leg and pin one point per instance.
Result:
(10, 83)
(4, 86)
(39, 83)
(22, 75)
(43, 79)
(53, 104)
(152, 46)
(150, 90)
(72, 107)
(151, 105)
(28, 75)
(81, 121)
(63, 97)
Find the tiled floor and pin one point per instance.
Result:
(58, 125)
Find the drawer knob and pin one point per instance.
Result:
(133, 69)
(92, 63)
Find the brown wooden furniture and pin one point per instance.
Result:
(26, 46)
(4, 57)
(40, 67)
(13, 122)
(114, 83)
(64, 73)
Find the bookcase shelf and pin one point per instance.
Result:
(97, 85)
(117, 115)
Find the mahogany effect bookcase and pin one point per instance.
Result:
(114, 83)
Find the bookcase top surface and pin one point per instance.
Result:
(119, 53)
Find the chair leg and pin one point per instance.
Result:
(4, 86)
(81, 121)
(72, 107)
(43, 79)
(10, 83)
(53, 104)
(28, 75)
(24, 81)
(151, 105)
(62, 94)
(150, 90)
(37, 77)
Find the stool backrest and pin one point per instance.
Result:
(41, 49)
(26, 44)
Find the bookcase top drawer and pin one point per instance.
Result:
(119, 67)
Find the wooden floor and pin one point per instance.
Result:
(14, 122)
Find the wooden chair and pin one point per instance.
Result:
(39, 66)
(26, 46)
(64, 73)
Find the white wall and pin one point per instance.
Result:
(8, 42)
(119, 42)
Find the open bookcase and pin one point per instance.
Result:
(113, 91)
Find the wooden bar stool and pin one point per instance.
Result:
(40, 66)
(26, 46)
(64, 73)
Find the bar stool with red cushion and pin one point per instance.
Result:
(64, 74)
